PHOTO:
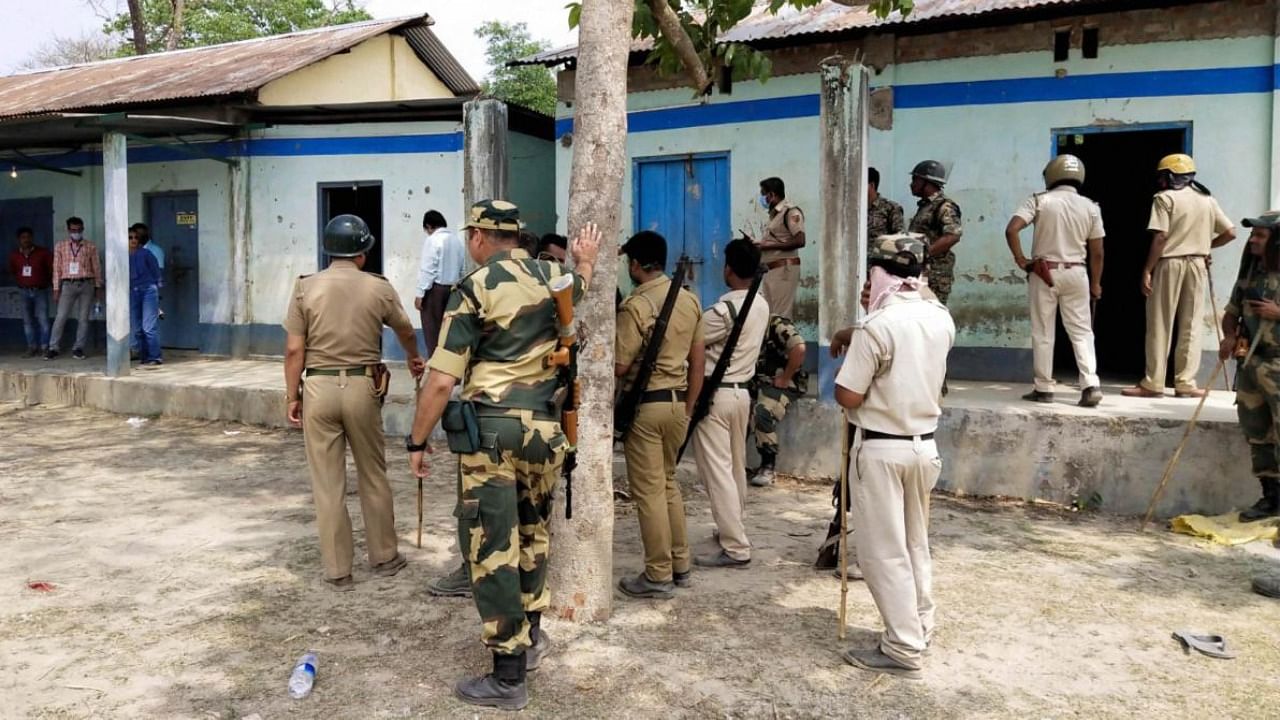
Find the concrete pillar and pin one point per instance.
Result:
(115, 231)
(1274, 178)
(484, 159)
(843, 175)
(240, 286)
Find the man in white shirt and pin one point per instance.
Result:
(442, 260)
(1068, 230)
(720, 440)
(891, 388)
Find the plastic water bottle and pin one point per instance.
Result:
(303, 677)
(97, 311)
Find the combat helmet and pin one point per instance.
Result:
(1064, 168)
(1178, 164)
(902, 254)
(930, 170)
(347, 236)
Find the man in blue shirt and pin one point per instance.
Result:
(144, 300)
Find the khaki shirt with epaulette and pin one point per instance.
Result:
(636, 318)
(340, 311)
(785, 222)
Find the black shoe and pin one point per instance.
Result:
(455, 584)
(829, 551)
(641, 586)
(1090, 397)
(541, 646)
(1268, 585)
(77, 354)
(720, 559)
(50, 354)
(876, 661)
(1268, 506)
(33, 352)
(504, 688)
(1039, 396)
(683, 580)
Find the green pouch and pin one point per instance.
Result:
(461, 427)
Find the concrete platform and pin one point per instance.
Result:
(993, 443)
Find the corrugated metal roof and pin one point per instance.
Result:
(442, 62)
(830, 18)
(229, 69)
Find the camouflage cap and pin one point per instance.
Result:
(1269, 219)
(904, 251)
(494, 215)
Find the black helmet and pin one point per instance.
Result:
(932, 171)
(347, 236)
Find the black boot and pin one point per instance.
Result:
(829, 551)
(1269, 505)
(541, 643)
(503, 688)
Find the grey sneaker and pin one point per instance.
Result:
(876, 661)
(78, 354)
(641, 586)
(763, 477)
(455, 584)
(852, 571)
(720, 559)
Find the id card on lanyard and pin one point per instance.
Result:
(73, 267)
(27, 271)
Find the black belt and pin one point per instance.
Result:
(873, 435)
(668, 395)
(349, 372)
(734, 386)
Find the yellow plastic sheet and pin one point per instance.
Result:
(1225, 529)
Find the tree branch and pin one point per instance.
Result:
(175, 28)
(139, 25)
(680, 41)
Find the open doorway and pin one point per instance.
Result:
(361, 198)
(1120, 175)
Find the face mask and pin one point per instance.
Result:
(77, 236)
(764, 202)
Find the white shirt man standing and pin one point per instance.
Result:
(891, 388)
(442, 259)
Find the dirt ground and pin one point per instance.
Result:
(187, 581)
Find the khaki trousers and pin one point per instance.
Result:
(1177, 288)
(779, 288)
(1070, 295)
(337, 410)
(720, 448)
(890, 482)
(650, 448)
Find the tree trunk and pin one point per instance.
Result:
(175, 28)
(139, 24)
(582, 565)
(674, 32)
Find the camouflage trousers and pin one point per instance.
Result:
(1258, 407)
(942, 275)
(504, 502)
(771, 408)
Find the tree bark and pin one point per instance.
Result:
(139, 24)
(175, 28)
(680, 41)
(582, 548)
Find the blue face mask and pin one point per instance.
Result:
(764, 202)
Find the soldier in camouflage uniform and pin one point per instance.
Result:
(884, 216)
(938, 219)
(780, 379)
(1252, 313)
(499, 328)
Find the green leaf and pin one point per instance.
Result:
(575, 14)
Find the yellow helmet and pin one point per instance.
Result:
(1178, 164)
(1063, 167)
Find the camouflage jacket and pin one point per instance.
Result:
(884, 217)
(499, 325)
(937, 216)
(779, 338)
(1269, 285)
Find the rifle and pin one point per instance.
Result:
(624, 411)
(712, 383)
(565, 357)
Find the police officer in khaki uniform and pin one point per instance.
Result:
(1068, 229)
(720, 440)
(334, 325)
(891, 387)
(783, 238)
(1186, 223)
(662, 417)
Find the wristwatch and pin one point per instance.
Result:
(411, 446)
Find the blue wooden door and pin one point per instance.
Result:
(174, 221)
(685, 198)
